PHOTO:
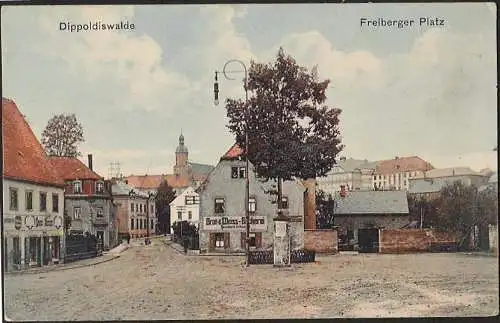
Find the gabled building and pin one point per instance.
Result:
(185, 173)
(88, 201)
(186, 207)
(222, 208)
(33, 197)
(134, 211)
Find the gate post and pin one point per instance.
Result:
(281, 246)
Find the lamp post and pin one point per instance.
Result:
(150, 195)
(247, 179)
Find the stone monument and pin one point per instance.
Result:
(281, 240)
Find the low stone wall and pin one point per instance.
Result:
(321, 241)
(413, 240)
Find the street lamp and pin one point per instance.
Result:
(247, 186)
(150, 195)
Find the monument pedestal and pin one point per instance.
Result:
(281, 241)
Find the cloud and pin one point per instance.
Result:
(129, 62)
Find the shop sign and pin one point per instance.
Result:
(29, 221)
(58, 222)
(234, 223)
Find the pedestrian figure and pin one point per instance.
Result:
(128, 238)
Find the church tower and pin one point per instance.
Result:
(181, 157)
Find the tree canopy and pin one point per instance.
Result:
(164, 195)
(291, 132)
(62, 135)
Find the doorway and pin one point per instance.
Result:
(368, 240)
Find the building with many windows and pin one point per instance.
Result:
(353, 174)
(33, 202)
(222, 208)
(395, 174)
(88, 202)
(185, 207)
(134, 211)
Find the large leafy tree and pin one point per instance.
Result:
(62, 135)
(291, 132)
(164, 195)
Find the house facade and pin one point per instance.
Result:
(186, 207)
(353, 174)
(429, 184)
(134, 211)
(395, 174)
(368, 209)
(88, 200)
(222, 208)
(33, 197)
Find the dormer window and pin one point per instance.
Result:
(77, 187)
(99, 187)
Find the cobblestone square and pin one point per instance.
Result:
(156, 282)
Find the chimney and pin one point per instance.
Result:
(90, 161)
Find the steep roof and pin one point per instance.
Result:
(372, 202)
(200, 169)
(70, 168)
(188, 191)
(145, 181)
(402, 164)
(234, 152)
(23, 156)
(120, 188)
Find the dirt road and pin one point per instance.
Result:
(155, 282)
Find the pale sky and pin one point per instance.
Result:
(425, 91)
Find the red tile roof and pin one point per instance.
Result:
(145, 181)
(23, 156)
(403, 164)
(234, 152)
(70, 168)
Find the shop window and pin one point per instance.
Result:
(219, 240)
(252, 242)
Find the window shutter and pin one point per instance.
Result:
(243, 237)
(226, 240)
(258, 239)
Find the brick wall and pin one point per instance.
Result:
(321, 240)
(410, 240)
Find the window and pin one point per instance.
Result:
(13, 199)
(252, 204)
(43, 201)
(140, 224)
(55, 203)
(219, 205)
(238, 172)
(100, 212)
(99, 187)
(179, 215)
(77, 187)
(137, 208)
(190, 215)
(152, 209)
(152, 224)
(77, 212)
(29, 200)
(132, 207)
(219, 240)
(284, 202)
(131, 224)
(190, 200)
(140, 208)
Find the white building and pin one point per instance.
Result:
(395, 174)
(353, 174)
(33, 195)
(186, 207)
